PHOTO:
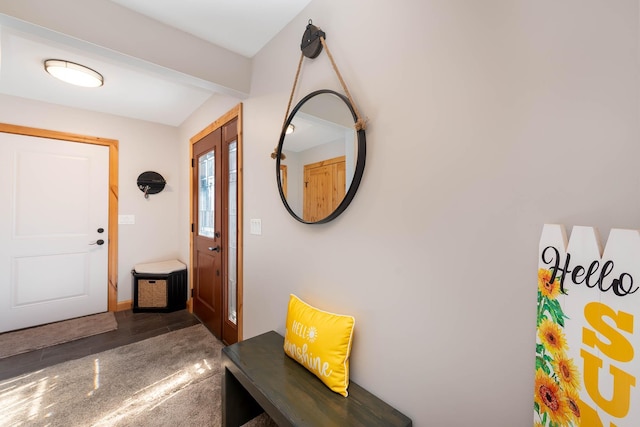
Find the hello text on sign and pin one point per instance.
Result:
(591, 277)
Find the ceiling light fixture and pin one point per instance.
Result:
(290, 129)
(73, 73)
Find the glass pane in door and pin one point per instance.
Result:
(232, 265)
(206, 194)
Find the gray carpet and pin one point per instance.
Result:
(169, 380)
(24, 340)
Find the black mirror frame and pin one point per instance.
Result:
(360, 161)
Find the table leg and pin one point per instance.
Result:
(238, 406)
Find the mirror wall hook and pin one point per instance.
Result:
(310, 45)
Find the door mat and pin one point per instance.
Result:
(24, 340)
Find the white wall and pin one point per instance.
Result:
(143, 146)
(486, 120)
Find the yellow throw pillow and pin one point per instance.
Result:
(320, 341)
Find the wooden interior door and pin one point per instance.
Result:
(324, 188)
(216, 237)
(54, 244)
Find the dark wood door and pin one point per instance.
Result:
(216, 232)
(207, 269)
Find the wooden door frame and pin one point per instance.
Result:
(112, 144)
(235, 112)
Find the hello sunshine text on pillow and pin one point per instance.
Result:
(321, 342)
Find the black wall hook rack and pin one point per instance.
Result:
(150, 183)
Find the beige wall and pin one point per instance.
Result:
(486, 120)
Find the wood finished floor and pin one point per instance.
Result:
(132, 327)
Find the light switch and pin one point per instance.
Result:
(126, 219)
(256, 226)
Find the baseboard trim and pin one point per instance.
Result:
(124, 305)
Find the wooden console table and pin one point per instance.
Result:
(260, 377)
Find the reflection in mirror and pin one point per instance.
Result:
(283, 179)
(320, 160)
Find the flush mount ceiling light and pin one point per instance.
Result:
(73, 73)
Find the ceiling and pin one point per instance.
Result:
(136, 87)
(243, 26)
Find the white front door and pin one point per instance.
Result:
(54, 199)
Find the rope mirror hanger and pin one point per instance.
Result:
(313, 41)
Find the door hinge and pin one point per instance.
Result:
(193, 163)
(191, 292)
(193, 227)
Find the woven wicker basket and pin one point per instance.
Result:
(152, 293)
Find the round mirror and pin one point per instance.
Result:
(320, 157)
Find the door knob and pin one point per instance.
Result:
(98, 242)
(216, 249)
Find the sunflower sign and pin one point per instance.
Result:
(588, 300)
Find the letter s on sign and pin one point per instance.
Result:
(620, 348)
